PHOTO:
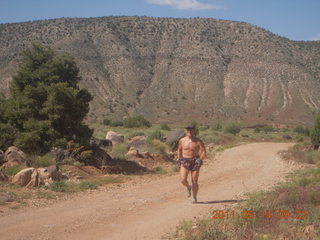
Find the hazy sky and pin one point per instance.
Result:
(294, 19)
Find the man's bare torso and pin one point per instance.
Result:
(190, 147)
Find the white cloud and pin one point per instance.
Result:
(316, 37)
(185, 4)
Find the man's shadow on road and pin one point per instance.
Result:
(220, 201)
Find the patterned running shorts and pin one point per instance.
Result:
(191, 164)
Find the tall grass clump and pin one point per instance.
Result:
(42, 161)
(119, 151)
(13, 170)
(159, 147)
(135, 134)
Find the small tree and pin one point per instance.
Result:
(46, 107)
(232, 128)
(315, 133)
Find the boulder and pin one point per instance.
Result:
(23, 177)
(114, 137)
(49, 173)
(146, 154)
(137, 142)
(3, 177)
(133, 152)
(100, 143)
(173, 137)
(14, 156)
(34, 181)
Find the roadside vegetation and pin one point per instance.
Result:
(46, 107)
(290, 210)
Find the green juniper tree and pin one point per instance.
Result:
(46, 107)
(315, 133)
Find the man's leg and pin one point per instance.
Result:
(195, 186)
(184, 179)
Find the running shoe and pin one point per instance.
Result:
(189, 191)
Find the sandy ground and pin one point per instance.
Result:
(151, 210)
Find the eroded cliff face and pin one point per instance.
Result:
(173, 70)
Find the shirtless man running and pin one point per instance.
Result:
(191, 152)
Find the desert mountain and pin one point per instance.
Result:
(173, 70)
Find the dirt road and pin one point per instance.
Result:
(150, 210)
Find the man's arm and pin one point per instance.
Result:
(179, 150)
(202, 150)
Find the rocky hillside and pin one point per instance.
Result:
(173, 70)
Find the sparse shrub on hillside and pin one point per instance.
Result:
(106, 122)
(204, 127)
(313, 157)
(299, 130)
(157, 134)
(217, 127)
(232, 128)
(267, 129)
(196, 127)
(116, 123)
(302, 131)
(315, 133)
(307, 132)
(299, 138)
(165, 127)
(136, 122)
(256, 130)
